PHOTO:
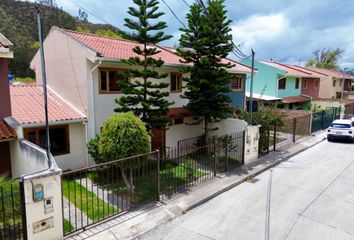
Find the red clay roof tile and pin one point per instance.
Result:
(28, 106)
(6, 132)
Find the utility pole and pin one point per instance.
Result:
(342, 90)
(44, 80)
(251, 90)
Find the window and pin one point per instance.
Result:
(334, 83)
(282, 83)
(317, 83)
(58, 135)
(178, 121)
(305, 83)
(297, 83)
(176, 82)
(237, 83)
(109, 80)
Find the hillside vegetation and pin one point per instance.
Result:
(18, 23)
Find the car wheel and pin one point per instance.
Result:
(329, 139)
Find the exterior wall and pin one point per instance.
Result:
(5, 106)
(323, 104)
(228, 126)
(26, 158)
(77, 158)
(65, 68)
(104, 104)
(290, 89)
(265, 79)
(238, 97)
(337, 87)
(326, 88)
(310, 89)
(180, 132)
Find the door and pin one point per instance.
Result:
(158, 139)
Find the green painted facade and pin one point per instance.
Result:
(266, 81)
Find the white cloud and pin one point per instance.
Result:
(259, 29)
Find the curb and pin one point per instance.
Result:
(251, 175)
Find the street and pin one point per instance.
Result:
(312, 197)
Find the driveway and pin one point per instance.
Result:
(312, 197)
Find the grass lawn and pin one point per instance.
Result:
(7, 212)
(68, 227)
(94, 207)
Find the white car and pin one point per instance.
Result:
(341, 129)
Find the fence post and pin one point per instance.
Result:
(23, 210)
(215, 153)
(268, 136)
(227, 152)
(275, 137)
(244, 146)
(322, 122)
(294, 131)
(158, 176)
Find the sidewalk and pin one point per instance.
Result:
(131, 225)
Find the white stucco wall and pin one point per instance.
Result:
(228, 126)
(180, 132)
(251, 144)
(104, 104)
(77, 157)
(66, 68)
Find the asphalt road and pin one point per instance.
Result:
(312, 197)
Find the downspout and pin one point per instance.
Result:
(92, 98)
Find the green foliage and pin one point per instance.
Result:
(143, 96)
(83, 29)
(93, 149)
(204, 47)
(108, 33)
(266, 117)
(326, 58)
(19, 25)
(6, 211)
(123, 135)
(25, 80)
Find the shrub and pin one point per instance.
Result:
(93, 150)
(123, 135)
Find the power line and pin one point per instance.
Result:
(174, 14)
(186, 3)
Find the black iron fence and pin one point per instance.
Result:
(96, 193)
(323, 119)
(11, 211)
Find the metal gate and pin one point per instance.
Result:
(93, 194)
(12, 217)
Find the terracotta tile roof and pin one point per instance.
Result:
(117, 48)
(294, 70)
(28, 106)
(6, 132)
(295, 99)
(239, 67)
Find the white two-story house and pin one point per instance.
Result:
(83, 69)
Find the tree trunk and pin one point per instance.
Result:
(128, 182)
(206, 131)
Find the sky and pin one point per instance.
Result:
(288, 31)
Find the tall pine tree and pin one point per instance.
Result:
(204, 43)
(145, 97)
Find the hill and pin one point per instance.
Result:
(18, 23)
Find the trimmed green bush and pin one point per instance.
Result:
(123, 135)
(93, 150)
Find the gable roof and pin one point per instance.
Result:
(6, 132)
(331, 72)
(112, 48)
(28, 106)
(294, 70)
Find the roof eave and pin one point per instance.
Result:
(53, 123)
(118, 60)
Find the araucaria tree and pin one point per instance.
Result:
(205, 42)
(145, 95)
